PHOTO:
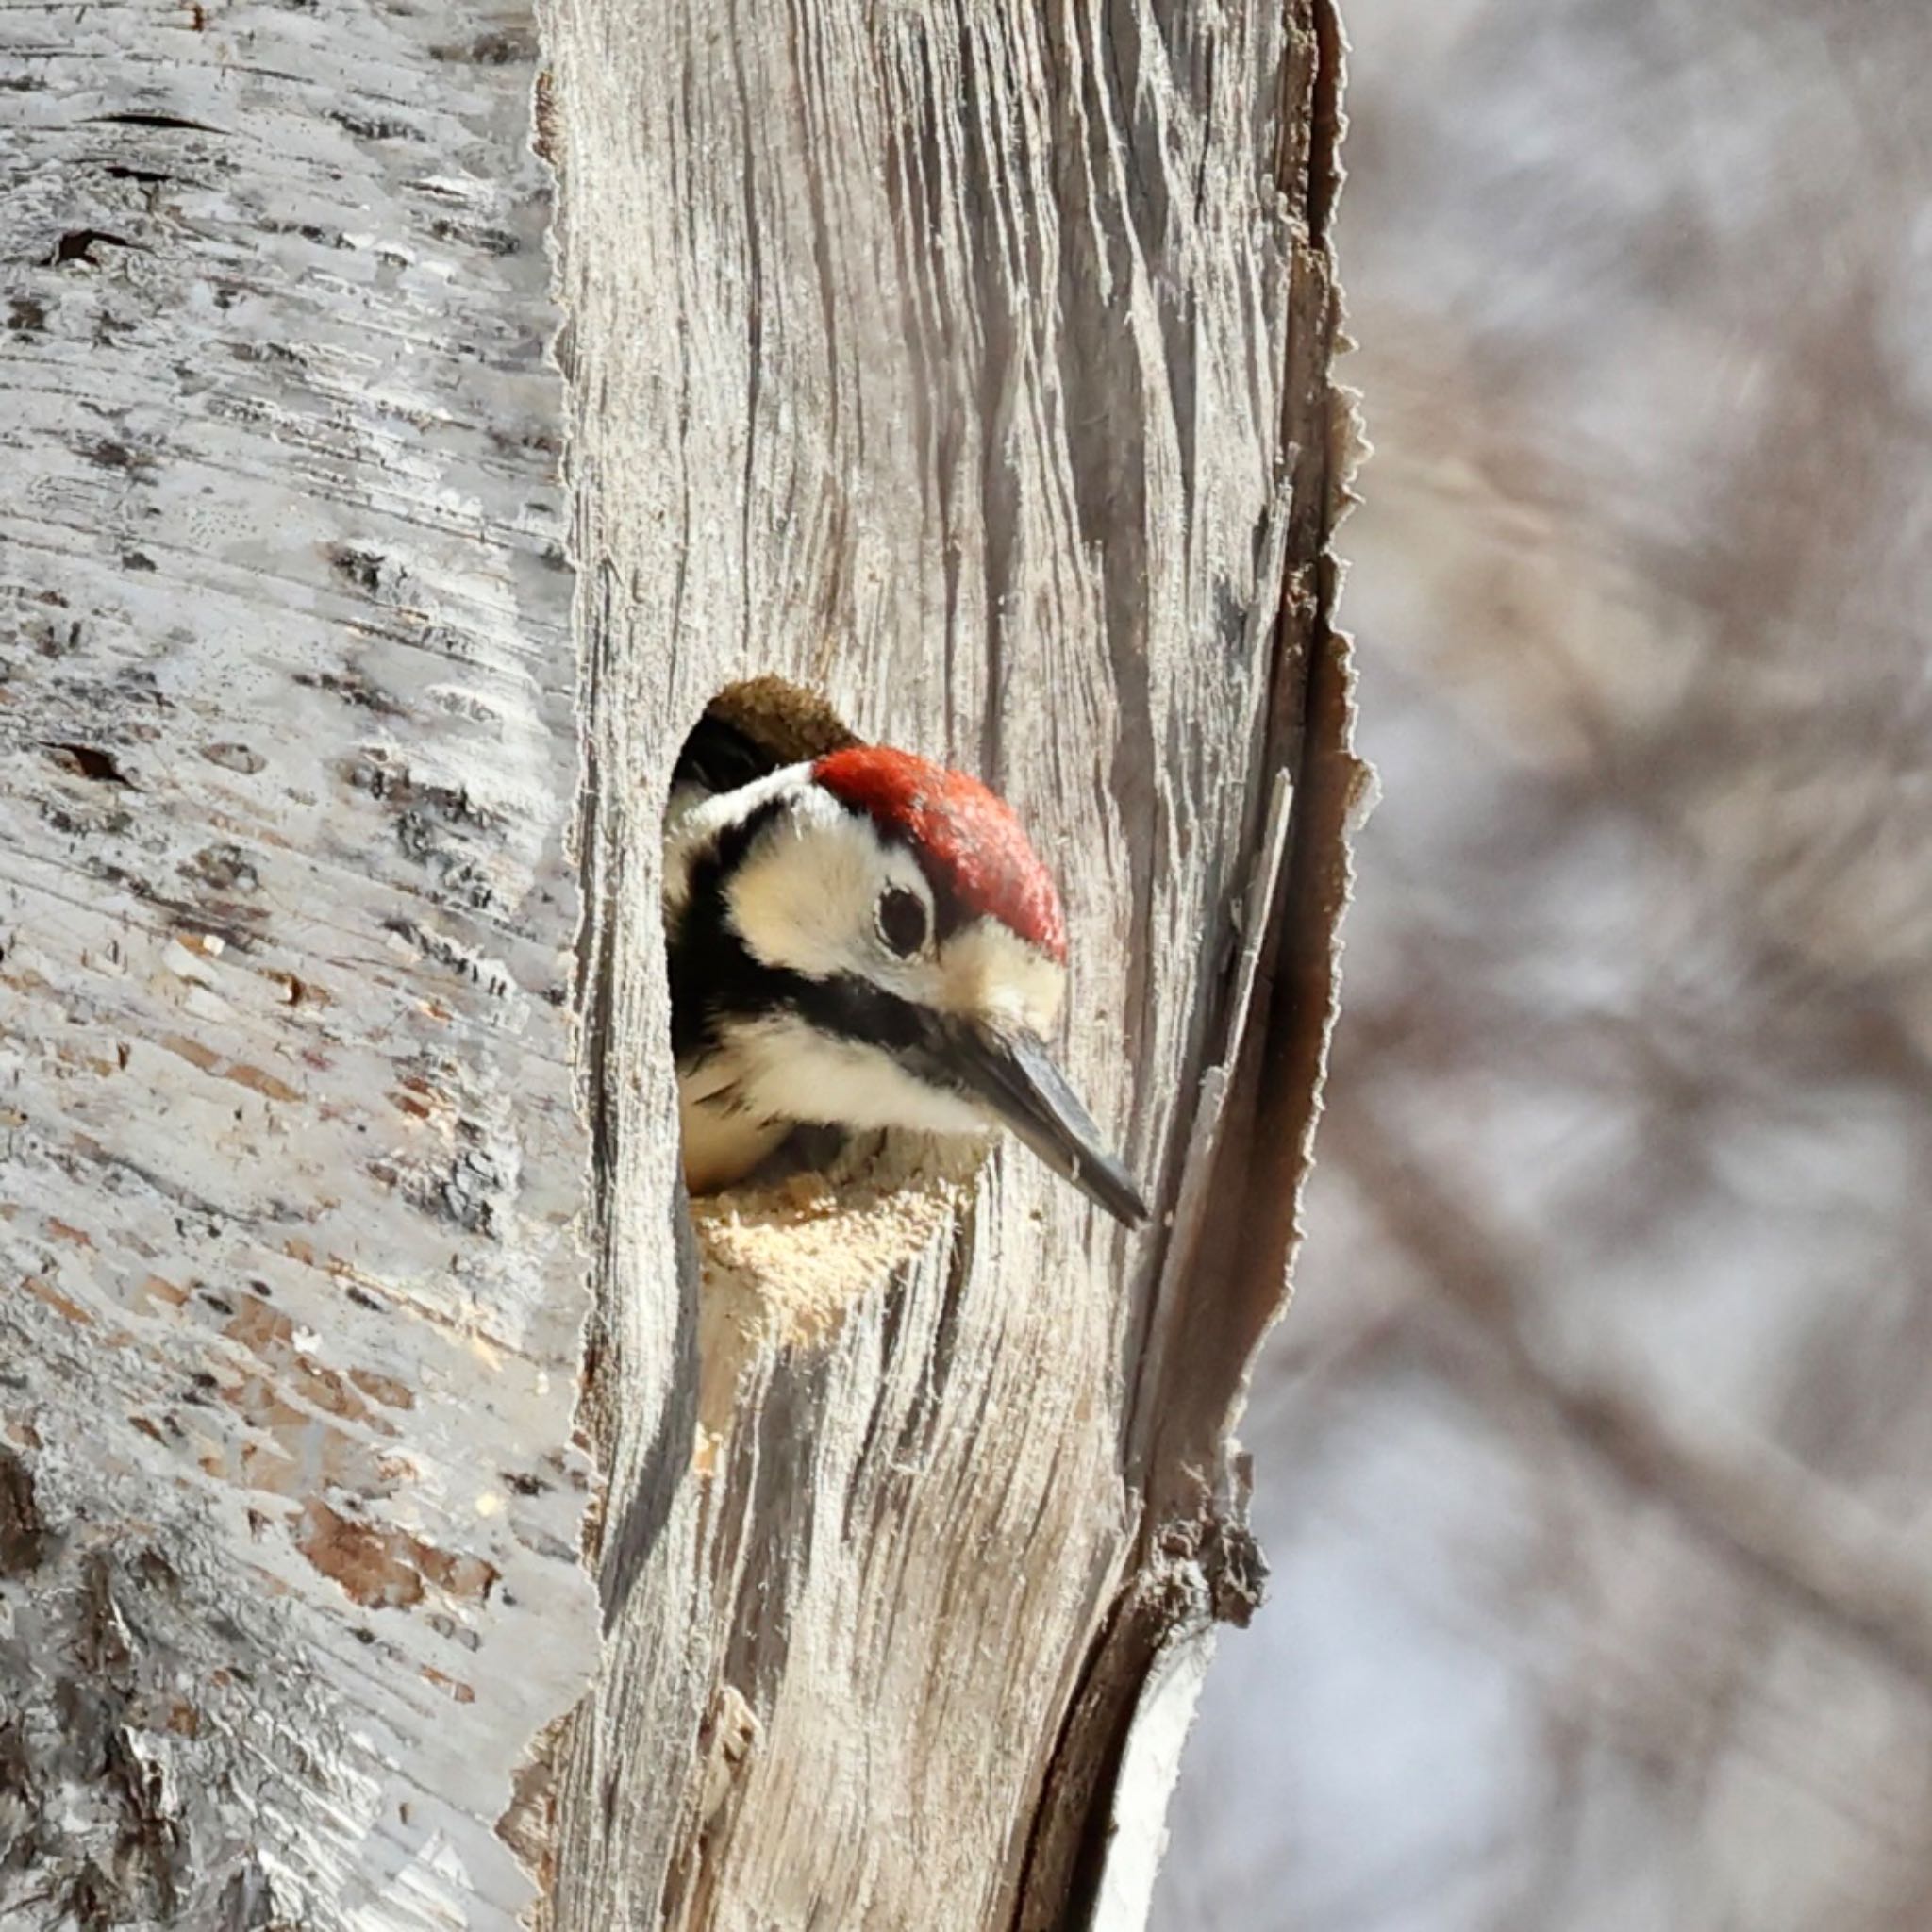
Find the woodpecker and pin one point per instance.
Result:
(860, 941)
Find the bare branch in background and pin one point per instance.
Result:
(1592, 1466)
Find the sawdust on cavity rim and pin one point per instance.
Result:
(785, 1262)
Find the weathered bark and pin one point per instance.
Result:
(291, 1311)
(968, 366)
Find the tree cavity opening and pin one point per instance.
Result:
(826, 1214)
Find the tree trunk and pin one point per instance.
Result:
(964, 368)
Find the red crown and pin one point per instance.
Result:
(968, 838)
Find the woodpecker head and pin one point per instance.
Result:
(867, 941)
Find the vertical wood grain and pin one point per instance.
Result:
(968, 363)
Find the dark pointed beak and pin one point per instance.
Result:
(1013, 1076)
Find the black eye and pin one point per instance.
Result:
(902, 921)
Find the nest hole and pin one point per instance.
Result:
(828, 1216)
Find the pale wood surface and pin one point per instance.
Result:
(290, 1305)
(970, 364)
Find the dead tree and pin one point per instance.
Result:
(414, 418)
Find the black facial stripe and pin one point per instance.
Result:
(848, 1007)
(843, 1008)
(712, 974)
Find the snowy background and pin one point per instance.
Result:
(1594, 1460)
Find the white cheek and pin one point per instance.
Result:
(805, 899)
(789, 1069)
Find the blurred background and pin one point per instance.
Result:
(1594, 1458)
